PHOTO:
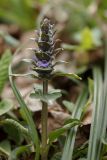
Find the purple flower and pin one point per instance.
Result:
(43, 63)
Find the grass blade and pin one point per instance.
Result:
(95, 132)
(70, 141)
(103, 118)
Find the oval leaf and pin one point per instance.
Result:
(52, 95)
(5, 106)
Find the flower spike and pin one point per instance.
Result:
(45, 53)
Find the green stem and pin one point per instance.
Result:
(44, 117)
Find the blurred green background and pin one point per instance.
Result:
(80, 24)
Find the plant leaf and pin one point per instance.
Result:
(87, 40)
(15, 131)
(70, 121)
(31, 126)
(96, 125)
(18, 151)
(55, 134)
(5, 147)
(80, 151)
(68, 105)
(51, 95)
(70, 140)
(4, 64)
(5, 106)
(9, 39)
(30, 74)
(16, 125)
(56, 156)
(90, 99)
(68, 75)
(60, 62)
(68, 46)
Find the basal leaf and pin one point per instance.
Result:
(55, 134)
(56, 156)
(70, 121)
(31, 126)
(18, 151)
(80, 151)
(5, 106)
(5, 147)
(4, 64)
(13, 132)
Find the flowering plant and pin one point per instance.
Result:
(43, 64)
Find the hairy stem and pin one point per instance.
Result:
(44, 117)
